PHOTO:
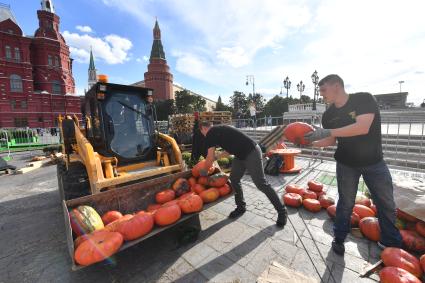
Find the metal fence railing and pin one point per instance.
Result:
(26, 139)
(402, 136)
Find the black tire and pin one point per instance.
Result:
(74, 182)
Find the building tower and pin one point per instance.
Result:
(158, 76)
(52, 66)
(92, 71)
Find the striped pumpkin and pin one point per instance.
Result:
(84, 219)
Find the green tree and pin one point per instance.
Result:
(184, 102)
(164, 108)
(276, 106)
(198, 103)
(239, 102)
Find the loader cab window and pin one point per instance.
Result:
(130, 125)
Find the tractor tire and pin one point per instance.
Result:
(74, 182)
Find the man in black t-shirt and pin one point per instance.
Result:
(354, 122)
(248, 156)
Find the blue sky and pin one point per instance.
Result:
(211, 45)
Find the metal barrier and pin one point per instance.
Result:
(14, 140)
(402, 136)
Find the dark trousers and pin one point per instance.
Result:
(254, 164)
(379, 182)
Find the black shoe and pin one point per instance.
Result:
(237, 212)
(338, 247)
(282, 218)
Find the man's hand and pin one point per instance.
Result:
(317, 134)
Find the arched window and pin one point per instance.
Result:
(15, 83)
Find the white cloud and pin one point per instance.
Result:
(86, 29)
(112, 49)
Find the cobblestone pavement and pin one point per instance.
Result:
(33, 243)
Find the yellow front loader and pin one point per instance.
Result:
(116, 144)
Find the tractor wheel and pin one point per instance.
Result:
(74, 182)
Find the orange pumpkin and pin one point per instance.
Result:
(363, 211)
(373, 207)
(322, 193)
(111, 216)
(203, 181)
(186, 195)
(312, 205)
(217, 180)
(167, 215)
(294, 188)
(80, 239)
(369, 226)
(171, 202)
(363, 200)
(98, 247)
(200, 169)
(136, 227)
(400, 258)
(292, 199)
(355, 219)
(192, 182)
(111, 227)
(420, 228)
(331, 210)
(422, 261)
(405, 216)
(152, 207)
(391, 274)
(209, 195)
(190, 204)
(315, 186)
(198, 188)
(309, 194)
(413, 241)
(224, 190)
(181, 186)
(294, 132)
(164, 196)
(326, 201)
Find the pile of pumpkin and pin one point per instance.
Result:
(364, 213)
(98, 238)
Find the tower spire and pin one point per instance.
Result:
(157, 51)
(92, 71)
(47, 5)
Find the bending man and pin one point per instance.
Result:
(248, 156)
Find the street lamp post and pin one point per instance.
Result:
(251, 80)
(401, 82)
(315, 79)
(287, 85)
(301, 88)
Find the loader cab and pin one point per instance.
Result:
(121, 122)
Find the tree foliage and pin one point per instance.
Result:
(164, 108)
(276, 106)
(239, 102)
(188, 103)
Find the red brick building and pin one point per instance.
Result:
(36, 82)
(158, 77)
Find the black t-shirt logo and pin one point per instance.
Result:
(352, 114)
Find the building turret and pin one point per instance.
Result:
(92, 71)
